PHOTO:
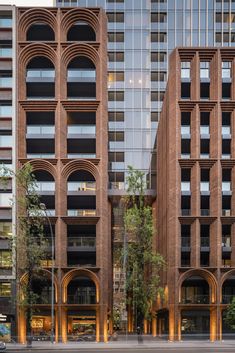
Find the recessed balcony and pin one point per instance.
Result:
(40, 131)
(82, 131)
(83, 244)
(40, 79)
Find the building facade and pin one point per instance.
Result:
(61, 125)
(195, 194)
(7, 157)
(141, 36)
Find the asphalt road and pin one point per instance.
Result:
(137, 349)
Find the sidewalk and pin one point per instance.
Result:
(122, 344)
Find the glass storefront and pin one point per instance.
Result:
(195, 324)
(81, 326)
(41, 327)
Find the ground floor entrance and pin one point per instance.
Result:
(81, 326)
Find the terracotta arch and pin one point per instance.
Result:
(209, 277)
(36, 49)
(34, 15)
(42, 164)
(224, 278)
(24, 279)
(75, 273)
(81, 164)
(79, 49)
(76, 15)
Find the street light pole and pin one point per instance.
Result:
(43, 207)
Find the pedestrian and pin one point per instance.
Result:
(139, 335)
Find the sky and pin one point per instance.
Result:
(27, 3)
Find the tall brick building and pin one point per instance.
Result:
(61, 130)
(195, 193)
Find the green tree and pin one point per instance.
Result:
(230, 314)
(30, 244)
(142, 263)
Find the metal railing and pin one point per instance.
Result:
(82, 129)
(40, 73)
(81, 155)
(205, 242)
(185, 242)
(45, 186)
(87, 296)
(41, 129)
(82, 242)
(82, 213)
(185, 212)
(196, 299)
(227, 298)
(81, 186)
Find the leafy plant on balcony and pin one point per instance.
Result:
(29, 245)
(143, 263)
(230, 314)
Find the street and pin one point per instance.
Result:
(139, 350)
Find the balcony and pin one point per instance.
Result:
(226, 188)
(45, 187)
(185, 243)
(81, 155)
(82, 213)
(205, 188)
(204, 132)
(196, 299)
(227, 298)
(185, 132)
(226, 213)
(185, 188)
(40, 155)
(86, 296)
(205, 244)
(43, 75)
(205, 212)
(186, 212)
(84, 244)
(39, 131)
(226, 244)
(226, 132)
(81, 75)
(81, 131)
(88, 187)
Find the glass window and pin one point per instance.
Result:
(116, 116)
(158, 37)
(185, 130)
(5, 289)
(5, 22)
(116, 156)
(158, 76)
(158, 56)
(157, 96)
(5, 200)
(5, 259)
(185, 186)
(226, 69)
(5, 51)
(116, 56)
(158, 17)
(116, 37)
(115, 1)
(5, 141)
(226, 186)
(185, 69)
(204, 186)
(114, 76)
(204, 130)
(5, 229)
(204, 69)
(5, 110)
(115, 16)
(116, 136)
(155, 116)
(116, 96)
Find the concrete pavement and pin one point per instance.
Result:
(122, 346)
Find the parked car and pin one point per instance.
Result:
(2, 346)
